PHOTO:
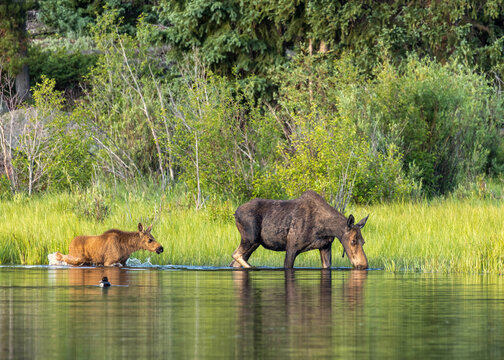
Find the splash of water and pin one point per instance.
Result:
(133, 262)
(53, 262)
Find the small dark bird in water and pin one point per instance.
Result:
(104, 282)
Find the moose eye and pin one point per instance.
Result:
(354, 242)
(150, 240)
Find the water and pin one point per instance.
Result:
(179, 313)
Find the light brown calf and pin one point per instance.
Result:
(113, 247)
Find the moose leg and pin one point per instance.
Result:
(69, 259)
(245, 256)
(290, 257)
(325, 256)
(235, 264)
(295, 236)
(248, 244)
(238, 257)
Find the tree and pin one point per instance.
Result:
(215, 146)
(233, 37)
(9, 102)
(255, 35)
(13, 42)
(127, 104)
(443, 119)
(76, 17)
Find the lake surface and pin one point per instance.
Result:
(176, 313)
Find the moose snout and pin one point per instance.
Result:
(361, 267)
(159, 250)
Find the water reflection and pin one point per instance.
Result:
(92, 276)
(266, 314)
(300, 312)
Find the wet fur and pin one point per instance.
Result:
(113, 247)
(296, 226)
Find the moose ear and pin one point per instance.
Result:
(361, 223)
(148, 230)
(350, 221)
(140, 227)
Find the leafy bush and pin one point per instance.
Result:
(75, 17)
(215, 142)
(443, 119)
(323, 149)
(67, 67)
(53, 147)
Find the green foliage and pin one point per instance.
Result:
(53, 148)
(229, 34)
(12, 34)
(251, 36)
(127, 103)
(406, 130)
(78, 16)
(214, 142)
(233, 38)
(68, 69)
(221, 212)
(5, 187)
(323, 149)
(442, 119)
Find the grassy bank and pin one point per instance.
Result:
(441, 236)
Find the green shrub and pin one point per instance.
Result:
(53, 147)
(443, 119)
(67, 67)
(322, 148)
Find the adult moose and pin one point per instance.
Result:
(296, 226)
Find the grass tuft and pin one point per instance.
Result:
(446, 236)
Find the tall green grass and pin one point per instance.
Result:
(465, 236)
(443, 236)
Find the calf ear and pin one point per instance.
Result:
(350, 221)
(148, 229)
(140, 227)
(361, 223)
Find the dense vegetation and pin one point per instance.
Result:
(365, 102)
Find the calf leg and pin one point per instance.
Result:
(69, 259)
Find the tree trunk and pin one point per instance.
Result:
(323, 47)
(23, 83)
(23, 78)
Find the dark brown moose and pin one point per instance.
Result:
(296, 226)
(113, 247)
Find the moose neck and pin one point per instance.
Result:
(134, 242)
(336, 225)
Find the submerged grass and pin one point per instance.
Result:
(451, 235)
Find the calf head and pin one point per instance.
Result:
(147, 241)
(352, 242)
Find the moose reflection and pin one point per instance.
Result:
(312, 307)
